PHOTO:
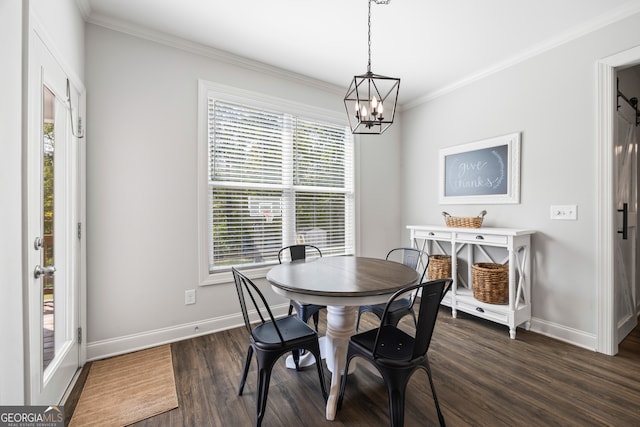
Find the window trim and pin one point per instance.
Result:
(208, 89)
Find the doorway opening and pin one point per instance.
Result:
(626, 200)
(608, 254)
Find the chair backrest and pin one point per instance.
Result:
(432, 293)
(410, 257)
(246, 288)
(298, 252)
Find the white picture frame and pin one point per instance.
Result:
(481, 172)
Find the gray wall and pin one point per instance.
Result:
(551, 100)
(142, 187)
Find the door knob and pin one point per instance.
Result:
(44, 271)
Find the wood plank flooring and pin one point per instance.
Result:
(482, 378)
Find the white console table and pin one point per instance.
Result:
(479, 243)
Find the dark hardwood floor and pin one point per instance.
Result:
(482, 378)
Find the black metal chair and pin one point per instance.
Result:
(403, 306)
(397, 354)
(271, 339)
(299, 253)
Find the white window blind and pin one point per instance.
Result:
(275, 179)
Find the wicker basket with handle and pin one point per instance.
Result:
(464, 222)
(439, 267)
(490, 282)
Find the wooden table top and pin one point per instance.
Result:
(342, 276)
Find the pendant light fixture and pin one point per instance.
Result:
(371, 99)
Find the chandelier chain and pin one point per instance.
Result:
(369, 39)
(369, 27)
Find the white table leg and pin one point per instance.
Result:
(341, 324)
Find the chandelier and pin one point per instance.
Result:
(371, 99)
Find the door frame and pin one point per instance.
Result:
(36, 30)
(606, 341)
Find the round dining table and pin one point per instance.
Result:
(342, 283)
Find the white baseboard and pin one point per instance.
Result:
(564, 333)
(129, 343)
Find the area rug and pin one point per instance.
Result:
(125, 389)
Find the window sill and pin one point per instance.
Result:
(227, 277)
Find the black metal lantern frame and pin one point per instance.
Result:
(371, 103)
(372, 98)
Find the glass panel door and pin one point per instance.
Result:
(53, 206)
(48, 217)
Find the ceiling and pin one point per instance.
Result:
(433, 46)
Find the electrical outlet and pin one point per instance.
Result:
(564, 212)
(189, 296)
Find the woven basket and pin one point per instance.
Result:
(464, 222)
(439, 267)
(490, 282)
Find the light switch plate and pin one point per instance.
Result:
(564, 212)
(190, 297)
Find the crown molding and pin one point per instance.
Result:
(628, 9)
(85, 8)
(209, 52)
(625, 11)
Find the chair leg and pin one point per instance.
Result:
(247, 363)
(315, 350)
(296, 358)
(415, 321)
(360, 312)
(396, 387)
(323, 384)
(304, 316)
(343, 383)
(290, 309)
(396, 407)
(264, 376)
(433, 392)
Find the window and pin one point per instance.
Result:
(276, 174)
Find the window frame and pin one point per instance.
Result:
(208, 89)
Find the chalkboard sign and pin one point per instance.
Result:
(481, 172)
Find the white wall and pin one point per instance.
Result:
(142, 188)
(64, 27)
(551, 99)
(380, 192)
(11, 356)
